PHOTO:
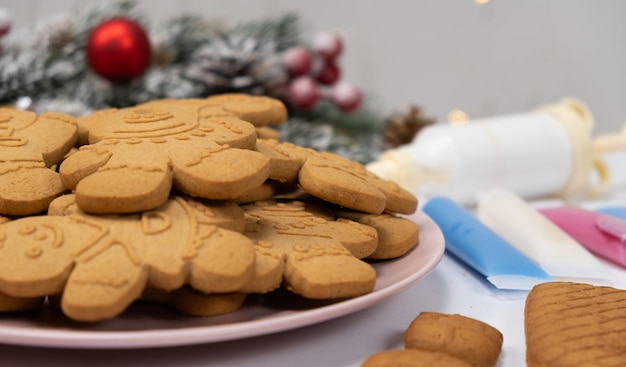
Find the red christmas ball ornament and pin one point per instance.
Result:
(329, 73)
(346, 96)
(118, 49)
(303, 93)
(5, 22)
(327, 45)
(297, 61)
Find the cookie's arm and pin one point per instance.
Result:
(82, 164)
(118, 176)
(54, 134)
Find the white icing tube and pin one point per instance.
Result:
(533, 234)
(546, 152)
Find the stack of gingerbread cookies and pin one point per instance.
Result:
(194, 203)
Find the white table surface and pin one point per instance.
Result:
(346, 341)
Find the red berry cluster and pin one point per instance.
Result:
(5, 24)
(315, 75)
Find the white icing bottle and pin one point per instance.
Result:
(546, 152)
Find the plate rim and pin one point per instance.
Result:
(292, 319)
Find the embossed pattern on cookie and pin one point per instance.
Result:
(29, 146)
(136, 155)
(343, 182)
(317, 258)
(574, 324)
(396, 235)
(101, 264)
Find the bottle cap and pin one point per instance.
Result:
(577, 120)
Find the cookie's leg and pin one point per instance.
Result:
(103, 285)
(223, 261)
(131, 179)
(326, 272)
(269, 266)
(219, 172)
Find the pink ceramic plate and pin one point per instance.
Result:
(145, 325)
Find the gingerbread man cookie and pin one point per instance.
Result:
(316, 257)
(191, 302)
(13, 304)
(137, 155)
(337, 180)
(101, 264)
(396, 235)
(261, 111)
(29, 146)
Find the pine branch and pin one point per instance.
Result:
(186, 33)
(283, 31)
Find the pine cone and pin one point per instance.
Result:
(238, 64)
(401, 128)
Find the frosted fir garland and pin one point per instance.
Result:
(50, 63)
(47, 70)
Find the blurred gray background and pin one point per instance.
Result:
(486, 58)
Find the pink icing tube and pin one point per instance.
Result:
(601, 234)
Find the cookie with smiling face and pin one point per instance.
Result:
(29, 146)
(137, 155)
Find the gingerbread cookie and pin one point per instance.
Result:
(226, 127)
(259, 110)
(136, 155)
(267, 133)
(264, 192)
(462, 337)
(13, 304)
(338, 180)
(191, 302)
(101, 264)
(284, 167)
(413, 358)
(437, 339)
(29, 146)
(575, 324)
(315, 257)
(396, 235)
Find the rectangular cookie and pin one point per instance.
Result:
(574, 324)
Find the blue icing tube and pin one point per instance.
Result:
(616, 211)
(475, 244)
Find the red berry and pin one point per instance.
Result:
(346, 96)
(329, 74)
(328, 45)
(297, 61)
(5, 22)
(303, 93)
